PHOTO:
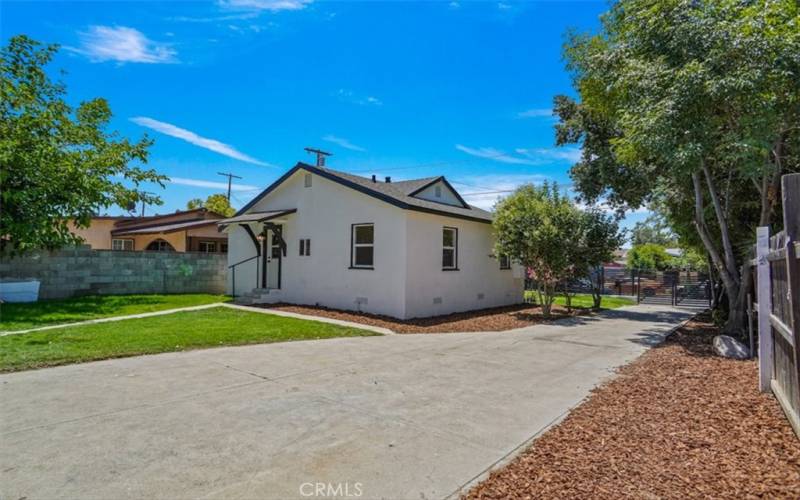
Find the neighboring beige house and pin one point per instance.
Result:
(182, 231)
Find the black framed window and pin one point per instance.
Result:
(449, 248)
(223, 247)
(305, 247)
(505, 262)
(362, 238)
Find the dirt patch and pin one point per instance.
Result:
(496, 319)
(677, 423)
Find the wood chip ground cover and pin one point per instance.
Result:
(485, 320)
(677, 423)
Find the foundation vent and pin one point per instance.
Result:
(437, 300)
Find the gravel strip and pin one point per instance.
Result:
(677, 423)
(496, 319)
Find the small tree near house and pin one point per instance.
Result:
(58, 162)
(533, 226)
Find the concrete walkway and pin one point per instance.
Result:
(401, 416)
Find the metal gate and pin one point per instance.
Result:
(685, 289)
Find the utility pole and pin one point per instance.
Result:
(144, 193)
(320, 155)
(229, 176)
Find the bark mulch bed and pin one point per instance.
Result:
(678, 422)
(495, 319)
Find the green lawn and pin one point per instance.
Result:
(219, 326)
(50, 312)
(585, 300)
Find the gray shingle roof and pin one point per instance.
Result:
(395, 193)
(400, 191)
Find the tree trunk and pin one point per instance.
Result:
(724, 266)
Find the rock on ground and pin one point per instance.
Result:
(729, 347)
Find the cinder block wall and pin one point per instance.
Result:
(82, 271)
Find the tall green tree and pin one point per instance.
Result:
(533, 227)
(57, 163)
(216, 203)
(654, 229)
(694, 106)
(649, 256)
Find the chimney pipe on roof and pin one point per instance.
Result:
(388, 179)
(374, 179)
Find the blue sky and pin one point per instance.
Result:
(461, 89)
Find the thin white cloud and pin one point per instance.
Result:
(271, 5)
(523, 156)
(494, 154)
(210, 184)
(214, 19)
(454, 5)
(536, 113)
(192, 138)
(548, 155)
(503, 6)
(342, 142)
(346, 95)
(122, 44)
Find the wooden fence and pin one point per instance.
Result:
(777, 278)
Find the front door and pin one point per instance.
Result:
(274, 255)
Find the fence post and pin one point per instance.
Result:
(765, 353)
(790, 186)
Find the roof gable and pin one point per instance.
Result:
(439, 190)
(394, 193)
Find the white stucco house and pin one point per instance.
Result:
(404, 249)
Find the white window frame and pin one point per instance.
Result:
(454, 248)
(354, 246)
(123, 240)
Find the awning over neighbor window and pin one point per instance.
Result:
(255, 217)
(170, 227)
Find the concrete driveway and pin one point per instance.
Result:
(403, 416)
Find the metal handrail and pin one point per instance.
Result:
(233, 277)
(243, 261)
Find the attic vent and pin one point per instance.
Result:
(438, 191)
(307, 180)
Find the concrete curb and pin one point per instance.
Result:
(308, 317)
(513, 454)
(112, 318)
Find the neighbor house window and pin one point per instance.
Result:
(449, 248)
(505, 262)
(160, 246)
(305, 247)
(307, 180)
(223, 247)
(363, 240)
(207, 246)
(121, 244)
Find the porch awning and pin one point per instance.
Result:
(255, 217)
